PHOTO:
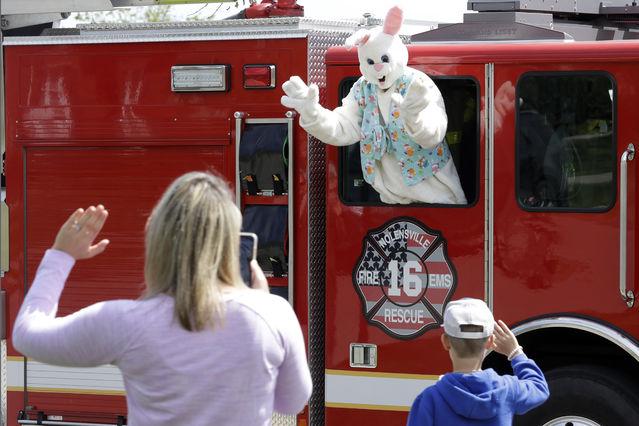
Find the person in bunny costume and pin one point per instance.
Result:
(397, 115)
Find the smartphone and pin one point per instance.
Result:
(248, 252)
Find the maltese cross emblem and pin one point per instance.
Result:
(404, 278)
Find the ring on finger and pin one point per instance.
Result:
(76, 225)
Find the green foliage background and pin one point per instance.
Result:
(163, 13)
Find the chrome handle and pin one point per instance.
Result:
(4, 236)
(4, 211)
(3, 324)
(239, 116)
(627, 296)
(290, 119)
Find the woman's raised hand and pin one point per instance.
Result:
(77, 234)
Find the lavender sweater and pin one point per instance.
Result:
(236, 374)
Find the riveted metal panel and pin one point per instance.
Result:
(316, 275)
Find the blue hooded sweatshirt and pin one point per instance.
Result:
(481, 398)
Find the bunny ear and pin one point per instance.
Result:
(358, 39)
(393, 21)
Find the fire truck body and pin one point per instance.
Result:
(551, 270)
(541, 133)
(103, 125)
(542, 137)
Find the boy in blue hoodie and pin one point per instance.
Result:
(470, 395)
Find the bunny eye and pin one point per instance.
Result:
(370, 61)
(385, 58)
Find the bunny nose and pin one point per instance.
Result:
(378, 67)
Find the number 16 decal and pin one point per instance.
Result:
(404, 278)
(412, 283)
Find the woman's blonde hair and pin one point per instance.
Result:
(192, 248)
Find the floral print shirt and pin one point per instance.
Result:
(380, 136)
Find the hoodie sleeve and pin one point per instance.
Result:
(530, 387)
(420, 413)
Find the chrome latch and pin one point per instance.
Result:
(363, 355)
(630, 298)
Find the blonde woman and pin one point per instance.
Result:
(200, 348)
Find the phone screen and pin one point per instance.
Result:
(248, 252)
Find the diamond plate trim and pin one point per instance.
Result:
(317, 275)
(224, 23)
(319, 42)
(230, 29)
(283, 420)
(305, 23)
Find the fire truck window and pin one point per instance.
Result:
(461, 99)
(565, 141)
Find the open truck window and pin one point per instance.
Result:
(461, 96)
(566, 141)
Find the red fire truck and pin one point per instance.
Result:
(540, 102)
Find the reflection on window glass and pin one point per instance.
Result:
(460, 96)
(565, 141)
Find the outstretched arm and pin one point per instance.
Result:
(87, 337)
(338, 127)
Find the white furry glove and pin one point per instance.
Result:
(414, 103)
(424, 116)
(304, 99)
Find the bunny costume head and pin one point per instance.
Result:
(397, 115)
(382, 55)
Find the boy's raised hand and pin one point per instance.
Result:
(505, 341)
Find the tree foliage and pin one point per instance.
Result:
(163, 13)
(126, 15)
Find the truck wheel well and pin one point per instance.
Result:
(553, 348)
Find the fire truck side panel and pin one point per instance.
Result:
(92, 124)
(404, 364)
(564, 260)
(554, 257)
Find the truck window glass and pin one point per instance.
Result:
(461, 99)
(565, 141)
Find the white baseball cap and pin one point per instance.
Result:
(468, 311)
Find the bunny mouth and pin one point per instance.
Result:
(382, 80)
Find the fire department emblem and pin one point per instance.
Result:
(404, 278)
